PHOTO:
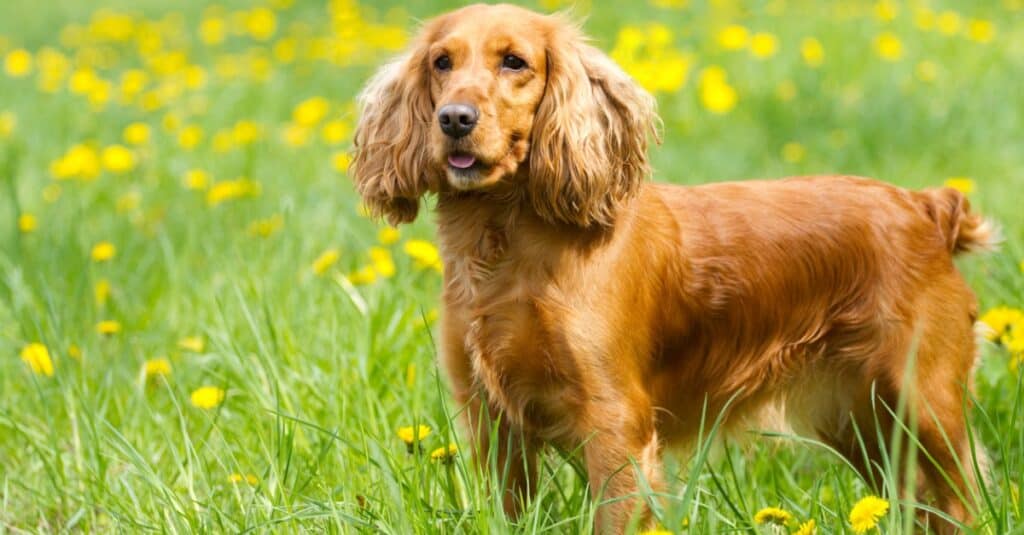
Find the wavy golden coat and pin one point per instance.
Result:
(585, 307)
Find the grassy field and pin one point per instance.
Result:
(200, 332)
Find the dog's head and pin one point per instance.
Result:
(499, 95)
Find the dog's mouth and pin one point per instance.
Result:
(462, 161)
(467, 169)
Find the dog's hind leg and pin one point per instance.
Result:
(904, 407)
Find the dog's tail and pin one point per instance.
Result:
(963, 230)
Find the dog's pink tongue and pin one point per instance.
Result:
(461, 161)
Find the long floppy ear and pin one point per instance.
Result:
(588, 151)
(390, 166)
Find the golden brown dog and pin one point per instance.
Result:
(587, 308)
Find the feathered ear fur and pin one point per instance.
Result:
(390, 167)
(588, 151)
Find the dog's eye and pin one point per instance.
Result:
(513, 62)
(443, 63)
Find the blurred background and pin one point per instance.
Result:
(200, 329)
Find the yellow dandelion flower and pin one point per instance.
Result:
(663, 4)
(222, 141)
(170, 122)
(295, 135)
(948, 22)
(261, 23)
(382, 262)
(195, 77)
(763, 45)
(237, 478)
(212, 31)
(80, 161)
(228, 190)
(101, 292)
(363, 275)
(53, 67)
(423, 252)
(195, 344)
(27, 223)
(207, 397)
(387, 37)
(108, 327)
(886, 10)
(1000, 320)
(18, 63)
(245, 132)
(647, 54)
(772, 515)
(196, 179)
(807, 528)
(866, 513)
(264, 228)
(388, 235)
(716, 94)
(981, 31)
(99, 94)
(75, 352)
(733, 37)
(133, 81)
(962, 184)
(340, 161)
(445, 453)
(411, 435)
(324, 262)
(154, 368)
(118, 159)
(924, 19)
(1014, 342)
(190, 136)
(311, 111)
(37, 357)
(285, 50)
(8, 121)
(83, 81)
(136, 134)
(889, 47)
(335, 132)
(793, 152)
(812, 52)
(103, 251)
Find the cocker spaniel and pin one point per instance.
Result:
(588, 308)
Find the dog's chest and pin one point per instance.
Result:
(517, 354)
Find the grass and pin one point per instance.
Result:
(319, 372)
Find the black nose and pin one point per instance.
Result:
(457, 120)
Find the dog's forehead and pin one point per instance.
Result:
(493, 23)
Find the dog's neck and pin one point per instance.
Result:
(482, 224)
(478, 224)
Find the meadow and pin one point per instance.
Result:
(201, 330)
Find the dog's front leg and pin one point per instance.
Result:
(506, 455)
(617, 457)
